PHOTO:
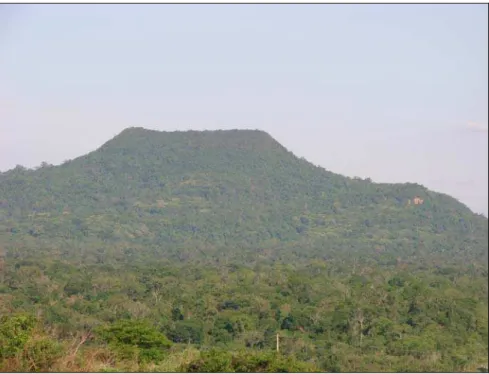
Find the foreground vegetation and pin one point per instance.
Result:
(193, 251)
(58, 316)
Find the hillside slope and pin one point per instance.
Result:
(232, 193)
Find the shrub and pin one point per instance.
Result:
(14, 333)
(245, 362)
(40, 354)
(135, 338)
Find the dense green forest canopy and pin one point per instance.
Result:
(192, 250)
(186, 194)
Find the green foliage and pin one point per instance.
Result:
(212, 361)
(201, 196)
(190, 331)
(136, 339)
(15, 331)
(222, 240)
(245, 362)
(40, 354)
(348, 322)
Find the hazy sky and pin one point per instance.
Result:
(392, 92)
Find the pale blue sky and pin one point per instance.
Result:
(393, 92)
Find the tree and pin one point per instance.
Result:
(136, 338)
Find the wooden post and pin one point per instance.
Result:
(277, 342)
(2, 268)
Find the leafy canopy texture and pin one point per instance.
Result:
(197, 194)
(205, 251)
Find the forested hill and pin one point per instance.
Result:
(195, 251)
(238, 193)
